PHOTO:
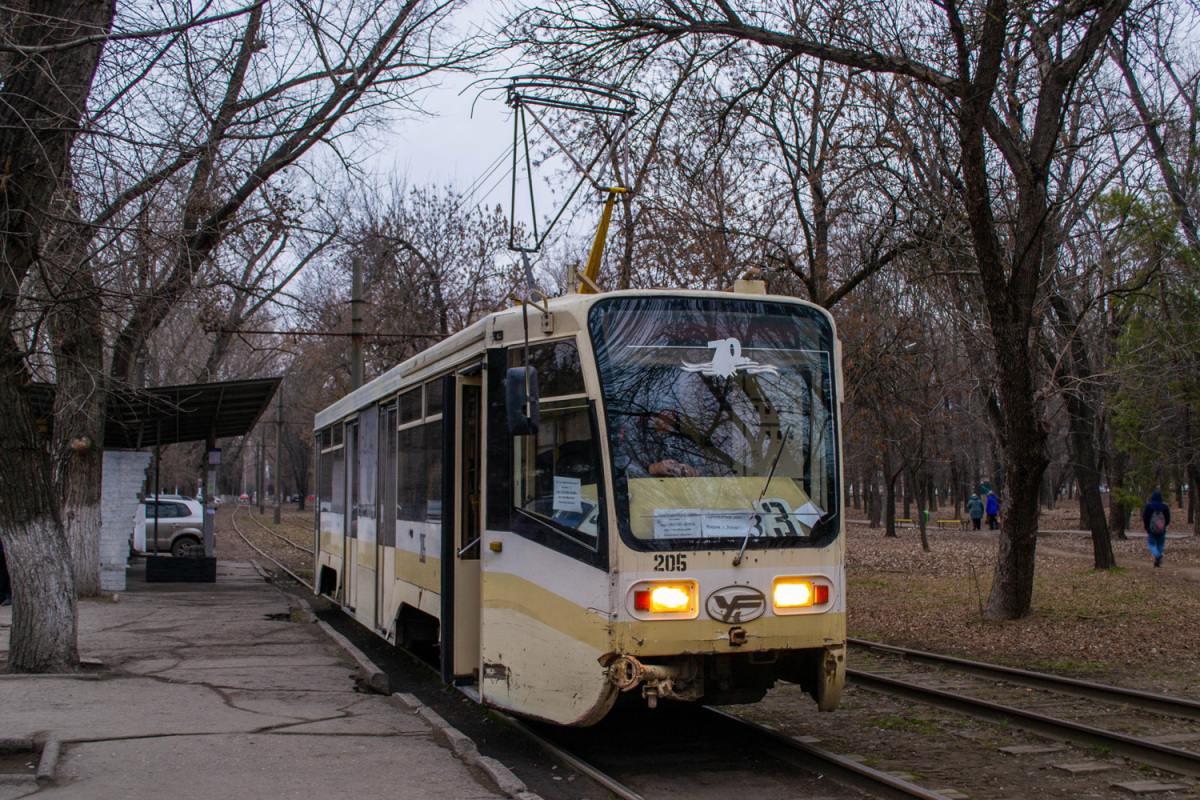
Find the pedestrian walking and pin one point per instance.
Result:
(975, 511)
(993, 511)
(1156, 516)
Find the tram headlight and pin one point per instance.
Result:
(790, 593)
(664, 598)
(799, 593)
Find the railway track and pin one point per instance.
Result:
(627, 773)
(1141, 726)
(280, 536)
(285, 567)
(691, 751)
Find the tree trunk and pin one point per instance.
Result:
(889, 500)
(43, 98)
(1194, 482)
(1074, 376)
(43, 636)
(922, 491)
(875, 501)
(77, 340)
(908, 497)
(954, 488)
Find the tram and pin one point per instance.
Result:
(630, 491)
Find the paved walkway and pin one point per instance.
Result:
(220, 691)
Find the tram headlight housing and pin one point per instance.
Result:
(798, 594)
(665, 599)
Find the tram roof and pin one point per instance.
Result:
(193, 412)
(398, 376)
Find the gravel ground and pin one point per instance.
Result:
(1124, 626)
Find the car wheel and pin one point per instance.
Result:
(186, 546)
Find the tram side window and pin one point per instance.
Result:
(557, 365)
(433, 466)
(412, 479)
(555, 473)
(325, 482)
(387, 476)
(410, 406)
(331, 483)
(419, 469)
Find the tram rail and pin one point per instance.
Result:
(277, 535)
(1146, 701)
(803, 756)
(845, 771)
(1146, 751)
(716, 728)
(238, 530)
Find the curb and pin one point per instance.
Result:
(47, 762)
(444, 733)
(372, 677)
(464, 748)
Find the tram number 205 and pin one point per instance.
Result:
(670, 562)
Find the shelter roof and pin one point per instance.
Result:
(192, 412)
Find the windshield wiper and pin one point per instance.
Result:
(770, 474)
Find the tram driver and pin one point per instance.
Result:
(655, 446)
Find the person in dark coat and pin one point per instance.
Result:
(1156, 526)
(975, 510)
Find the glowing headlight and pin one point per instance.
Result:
(665, 598)
(793, 594)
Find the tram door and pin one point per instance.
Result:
(350, 518)
(365, 556)
(468, 523)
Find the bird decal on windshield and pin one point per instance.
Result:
(728, 360)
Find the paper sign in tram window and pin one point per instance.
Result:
(567, 495)
(729, 525)
(672, 523)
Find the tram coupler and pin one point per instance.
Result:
(627, 673)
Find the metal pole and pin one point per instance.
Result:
(262, 483)
(157, 456)
(210, 494)
(278, 450)
(356, 324)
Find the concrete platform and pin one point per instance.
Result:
(216, 690)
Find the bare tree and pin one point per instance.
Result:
(42, 100)
(1006, 73)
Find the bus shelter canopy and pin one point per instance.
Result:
(195, 412)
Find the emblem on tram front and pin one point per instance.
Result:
(728, 360)
(736, 604)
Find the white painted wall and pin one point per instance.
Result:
(123, 477)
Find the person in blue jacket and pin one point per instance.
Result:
(1156, 516)
(993, 511)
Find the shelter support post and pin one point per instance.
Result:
(213, 460)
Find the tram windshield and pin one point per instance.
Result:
(721, 421)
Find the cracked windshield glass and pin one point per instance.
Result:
(720, 421)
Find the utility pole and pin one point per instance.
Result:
(278, 450)
(356, 324)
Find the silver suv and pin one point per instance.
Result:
(180, 526)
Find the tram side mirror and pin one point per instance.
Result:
(521, 399)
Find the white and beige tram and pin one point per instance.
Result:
(613, 492)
